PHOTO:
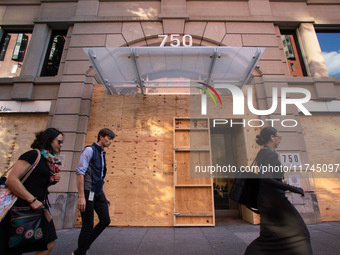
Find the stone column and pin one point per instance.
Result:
(70, 115)
(312, 50)
(23, 85)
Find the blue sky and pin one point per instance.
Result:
(330, 46)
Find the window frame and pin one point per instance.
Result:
(299, 49)
(4, 32)
(53, 33)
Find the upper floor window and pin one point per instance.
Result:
(330, 47)
(293, 53)
(13, 47)
(54, 53)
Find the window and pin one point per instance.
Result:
(54, 53)
(20, 47)
(293, 53)
(330, 47)
(13, 47)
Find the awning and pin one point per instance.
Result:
(164, 70)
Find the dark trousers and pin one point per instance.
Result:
(89, 233)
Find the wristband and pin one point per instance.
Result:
(34, 199)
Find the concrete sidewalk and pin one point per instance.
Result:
(228, 237)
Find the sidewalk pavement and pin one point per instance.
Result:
(228, 237)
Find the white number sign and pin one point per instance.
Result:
(176, 40)
(290, 159)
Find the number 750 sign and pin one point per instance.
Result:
(176, 40)
(290, 159)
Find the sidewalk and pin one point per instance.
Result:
(229, 237)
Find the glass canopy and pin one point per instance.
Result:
(171, 70)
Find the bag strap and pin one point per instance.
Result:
(31, 168)
(4, 174)
(254, 162)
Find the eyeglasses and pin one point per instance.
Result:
(278, 136)
(60, 142)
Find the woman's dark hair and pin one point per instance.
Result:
(265, 135)
(105, 132)
(43, 139)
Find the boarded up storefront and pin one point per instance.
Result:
(322, 136)
(139, 179)
(17, 134)
(147, 180)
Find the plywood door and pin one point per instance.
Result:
(193, 198)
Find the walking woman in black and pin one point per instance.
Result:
(33, 192)
(282, 229)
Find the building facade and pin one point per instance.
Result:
(48, 80)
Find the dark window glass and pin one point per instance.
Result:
(13, 47)
(20, 47)
(4, 45)
(54, 53)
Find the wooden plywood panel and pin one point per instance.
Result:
(186, 139)
(182, 139)
(17, 134)
(191, 124)
(199, 139)
(193, 203)
(322, 138)
(193, 200)
(184, 175)
(139, 179)
(194, 221)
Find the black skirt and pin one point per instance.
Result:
(282, 229)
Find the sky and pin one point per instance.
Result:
(330, 46)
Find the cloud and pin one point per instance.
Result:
(332, 60)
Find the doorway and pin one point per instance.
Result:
(223, 153)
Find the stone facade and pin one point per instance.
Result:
(104, 23)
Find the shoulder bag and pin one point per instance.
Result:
(245, 189)
(7, 198)
(27, 226)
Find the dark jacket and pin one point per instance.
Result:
(94, 177)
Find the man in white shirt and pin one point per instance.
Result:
(90, 173)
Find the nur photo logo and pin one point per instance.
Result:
(204, 97)
(239, 99)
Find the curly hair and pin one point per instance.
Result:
(43, 139)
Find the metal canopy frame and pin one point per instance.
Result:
(147, 70)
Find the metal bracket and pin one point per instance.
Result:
(139, 79)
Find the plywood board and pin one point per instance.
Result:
(322, 138)
(139, 179)
(194, 221)
(193, 199)
(17, 134)
(184, 177)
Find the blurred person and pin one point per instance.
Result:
(282, 229)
